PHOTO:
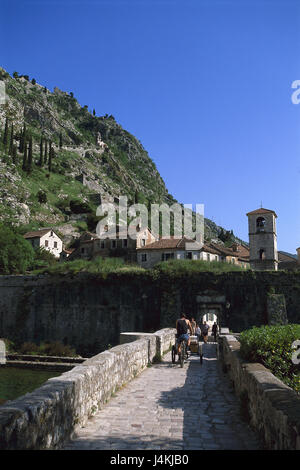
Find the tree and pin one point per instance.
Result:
(15, 75)
(11, 142)
(43, 258)
(29, 161)
(22, 139)
(45, 152)
(14, 154)
(5, 136)
(40, 162)
(71, 94)
(51, 155)
(94, 112)
(24, 165)
(60, 140)
(16, 253)
(33, 81)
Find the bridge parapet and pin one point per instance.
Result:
(49, 416)
(272, 408)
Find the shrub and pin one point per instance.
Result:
(42, 196)
(272, 347)
(58, 349)
(79, 207)
(47, 349)
(173, 267)
(43, 258)
(28, 348)
(16, 253)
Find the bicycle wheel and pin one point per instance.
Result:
(182, 353)
(173, 354)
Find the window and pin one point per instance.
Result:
(262, 254)
(125, 243)
(102, 245)
(113, 244)
(216, 258)
(189, 255)
(46, 243)
(208, 257)
(143, 242)
(82, 250)
(51, 234)
(260, 224)
(144, 257)
(169, 256)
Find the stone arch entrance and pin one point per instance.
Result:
(211, 306)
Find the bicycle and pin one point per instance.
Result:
(182, 357)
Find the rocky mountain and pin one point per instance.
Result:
(57, 159)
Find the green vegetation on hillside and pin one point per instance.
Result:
(16, 254)
(54, 151)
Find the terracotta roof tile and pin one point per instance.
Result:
(168, 244)
(261, 211)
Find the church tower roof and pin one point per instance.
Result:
(261, 210)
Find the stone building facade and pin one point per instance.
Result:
(108, 244)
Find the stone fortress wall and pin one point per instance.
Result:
(88, 312)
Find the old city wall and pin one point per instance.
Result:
(90, 311)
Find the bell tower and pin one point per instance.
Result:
(263, 239)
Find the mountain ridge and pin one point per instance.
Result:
(90, 155)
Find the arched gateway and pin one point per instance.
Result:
(211, 306)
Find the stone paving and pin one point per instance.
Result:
(167, 408)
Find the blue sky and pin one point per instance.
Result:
(204, 85)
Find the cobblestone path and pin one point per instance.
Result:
(168, 407)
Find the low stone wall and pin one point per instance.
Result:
(272, 408)
(164, 340)
(47, 417)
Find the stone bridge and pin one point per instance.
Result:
(132, 397)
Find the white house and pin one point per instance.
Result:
(45, 238)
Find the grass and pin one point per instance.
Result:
(193, 266)
(96, 266)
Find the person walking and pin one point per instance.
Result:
(193, 324)
(215, 331)
(205, 330)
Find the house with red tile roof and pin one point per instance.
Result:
(184, 248)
